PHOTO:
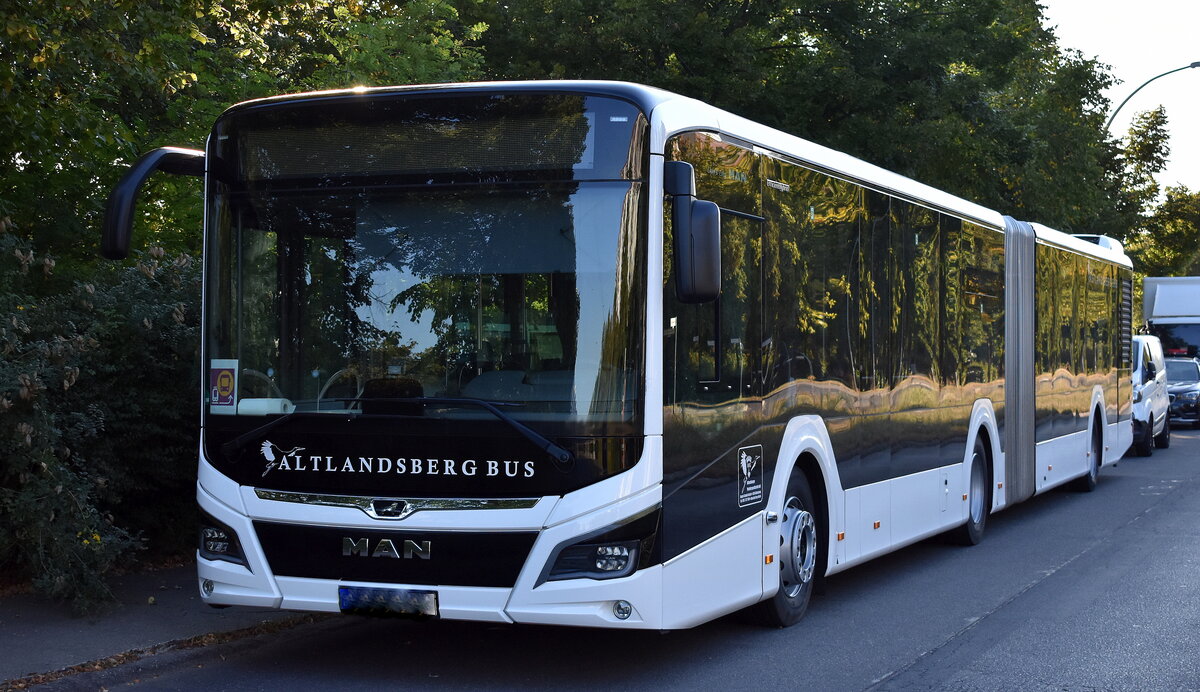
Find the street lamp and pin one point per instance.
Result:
(1135, 91)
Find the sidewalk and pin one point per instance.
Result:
(39, 636)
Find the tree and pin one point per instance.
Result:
(85, 87)
(972, 97)
(1169, 243)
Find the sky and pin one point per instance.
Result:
(1140, 39)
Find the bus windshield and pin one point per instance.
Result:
(494, 257)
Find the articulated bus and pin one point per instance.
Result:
(592, 353)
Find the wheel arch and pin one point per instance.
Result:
(806, 448)
(983, 423)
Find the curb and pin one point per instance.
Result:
(134, 655)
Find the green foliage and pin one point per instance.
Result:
(1169, 242)
(975, 98)
(97, 414)
(98, 364)
(56, 532)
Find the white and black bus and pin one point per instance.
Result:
(591, 353)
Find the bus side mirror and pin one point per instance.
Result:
(118, 215)
(697, 232)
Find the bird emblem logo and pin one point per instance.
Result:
(272, 453)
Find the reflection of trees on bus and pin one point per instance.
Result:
(883, 316)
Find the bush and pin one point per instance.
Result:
(98, 418)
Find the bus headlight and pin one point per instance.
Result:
(219, 542)
(603, 561)
(608, 554)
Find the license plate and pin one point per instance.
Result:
(363, 600)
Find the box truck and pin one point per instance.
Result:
(1171, 307)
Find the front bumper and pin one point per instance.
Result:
(1185, 415)
(531, 599)
(1184, 410)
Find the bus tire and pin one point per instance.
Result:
(1163, 439)
(1089, 480)
(800, 559)
(979, 497)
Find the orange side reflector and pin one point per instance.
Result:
(876, 524)
(1050, 467)
(999, 485)
(964, 497)
(841, 535)
(769, 559)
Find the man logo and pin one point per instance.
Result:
(385, 548)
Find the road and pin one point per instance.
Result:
(1068, 591)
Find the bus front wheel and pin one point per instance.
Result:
(799, 556)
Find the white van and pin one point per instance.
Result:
(1151, 424)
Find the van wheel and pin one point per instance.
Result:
(800, 558)
(1163, 439)
(979, 498)
(1144, 445)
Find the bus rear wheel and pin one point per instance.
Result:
(979, 497)
(799, 557)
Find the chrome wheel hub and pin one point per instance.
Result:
(798, 554)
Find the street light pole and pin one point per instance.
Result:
(1135, 91)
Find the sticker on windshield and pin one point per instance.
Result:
(222, 387)
(750, 475)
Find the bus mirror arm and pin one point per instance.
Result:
(118, 215)
(696, 225)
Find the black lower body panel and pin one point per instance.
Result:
(395, 556)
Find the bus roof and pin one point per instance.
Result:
(672, 113)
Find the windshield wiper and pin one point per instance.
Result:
(232, 446)
(562, 458)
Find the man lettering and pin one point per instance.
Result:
(385, 549)
(353, 547)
